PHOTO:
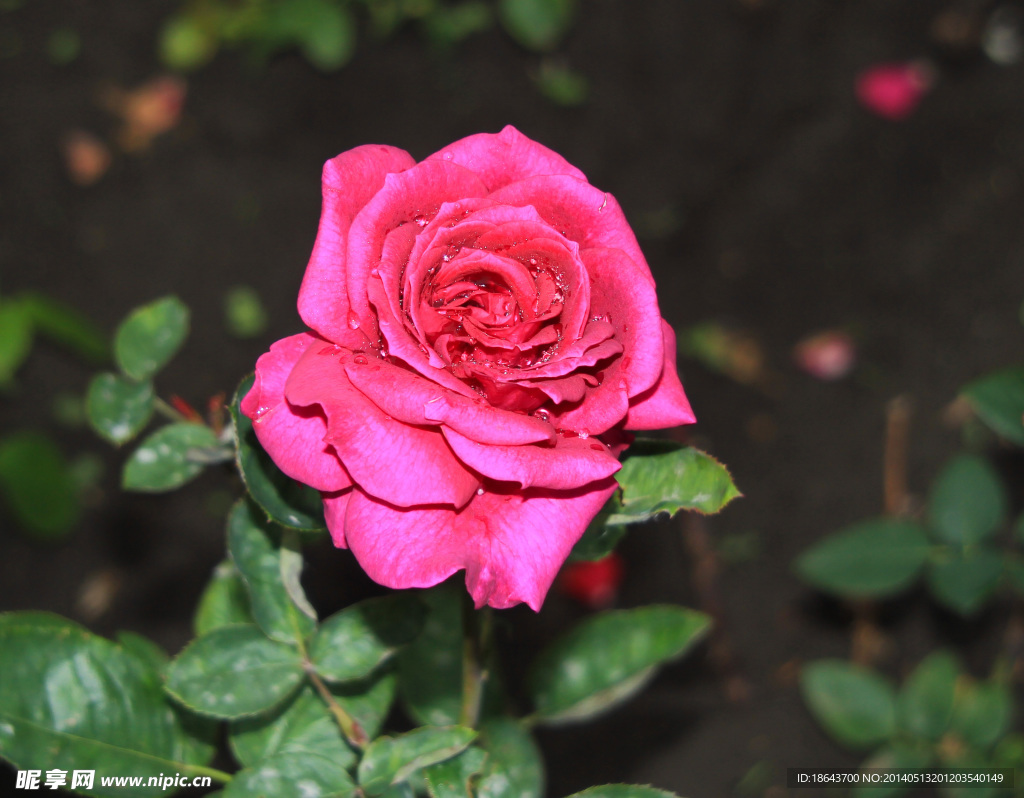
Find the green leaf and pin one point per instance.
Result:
(145, 649)
(353, 642)
(448, 25)
(430, 667)
(297, 773)
(150, 337)
(451, 778)
(257, 550)
(537, 24)
(390, 760)
(600, 538)
(83, 702)
(894, 756)
(244, 314)
(330, 40)
(514, 768)
(302, 726)
(37, 484)
(284, 500)
(667, 482)
(118, 407)
(982, 712)
(66, 326)
(925, 702)
(965, 581)
(967, 503)
(234, 671)
(856, 706)
(873, 559)
(368, 701)
(167, 459)
(608, 657)
(998, 399)
(224, 602)
(15, 338)
(623, 791)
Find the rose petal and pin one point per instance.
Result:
(349, 181)
(570, 463)
(511, 544)
(396, 462)
(412, 399)
(580, 212)
(663, 405)
(410, 197)
(506, 157)
(335, 506)
(292, 436)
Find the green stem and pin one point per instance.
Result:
(350, 727)
(167, 411)
(477, 631)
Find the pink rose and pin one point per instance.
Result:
(485, 326)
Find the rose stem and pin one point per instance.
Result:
(705, 580)
(349, 726)
(167, 411)
(477, 630)
(868, 643)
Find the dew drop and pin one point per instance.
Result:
(479, 491)
(597, 447)
(584, 433)
(353, 321)
(447, 156)
(359, 360)
(420, 220)
(261, 411)
(375, 272)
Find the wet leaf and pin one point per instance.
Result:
(66, 326)
(296, 773)
(234, 671)
(284, 500)
(150, 336)
(670, 481)
(608, 657)
(15, 338)
(537, 24)
(451, 778)
(168, 458)
(224, 602)
(87, 703)
(430, 667)
(257, 551)
(390, 760)
(118, 407)
(514, 767)
(355, 641)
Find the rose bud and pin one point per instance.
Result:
(86, 157)
(484, 329)
(893, 91)
(828, 355)
(593, 584)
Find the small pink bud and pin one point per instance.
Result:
(86, 157)
(828, 355)
(893, 91)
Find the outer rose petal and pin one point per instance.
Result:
(664, 404)
(335, 506)
(349, 181)
(511, 544)
(292, 436)
(570, 463)
(399, 463)
(506, 157)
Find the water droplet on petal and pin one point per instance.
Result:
(584, 433)
(375, 272)
(359, 360)
(447, 156)
(597, 447)
(479, 491)
(353, 320)
(421, 220)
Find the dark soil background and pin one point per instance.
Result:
(764, 197)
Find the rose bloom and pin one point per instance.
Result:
(485, 328)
